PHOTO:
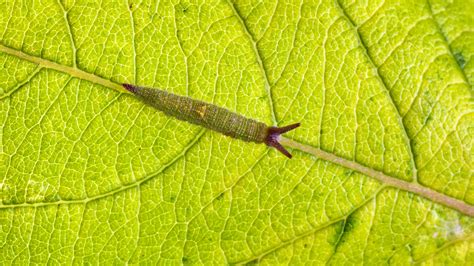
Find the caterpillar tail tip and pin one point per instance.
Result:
(274, 135)
(129, 87)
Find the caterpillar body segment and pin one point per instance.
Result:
(212, 116)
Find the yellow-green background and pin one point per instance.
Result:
(88, 174)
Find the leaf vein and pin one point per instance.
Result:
(384, 83)
(446, 41)
(258, 58)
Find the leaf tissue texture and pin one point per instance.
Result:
(383, 161)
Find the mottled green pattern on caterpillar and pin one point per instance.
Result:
(212, 117)
(204, 114)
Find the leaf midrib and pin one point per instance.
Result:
(387, 180)
(75, 72)
(413, 187)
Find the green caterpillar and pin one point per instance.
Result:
(212, 116)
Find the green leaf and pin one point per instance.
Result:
(383, 162)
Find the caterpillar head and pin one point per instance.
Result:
(273, 136)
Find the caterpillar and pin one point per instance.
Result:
(212, 117)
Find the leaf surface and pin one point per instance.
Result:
(383, 163)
